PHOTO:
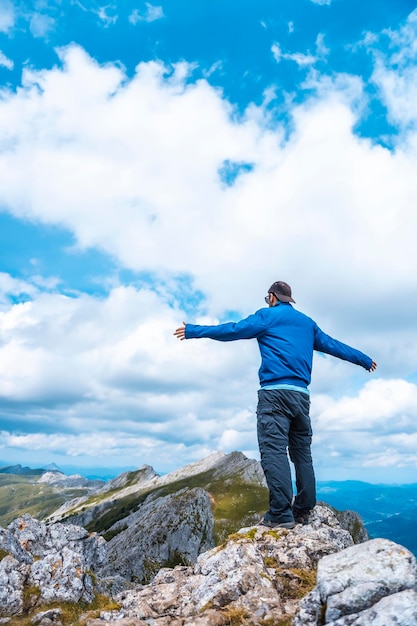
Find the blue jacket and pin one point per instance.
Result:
(286, 341)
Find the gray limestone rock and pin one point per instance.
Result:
(225, 467)
(58, 561)
(12, 577)
(55, 560)
(62, 576)
(357, 585)
(259, 573)
(171, 530)
(398, 609)
(39, 539)
(10, 545)
(352, 522)
(59, 480)
(47, 618)
(259, 576)
(236, 464)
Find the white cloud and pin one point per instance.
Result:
(299, 58)
(213, 68)
(382, 405)
(150, 14)
(41, 25)
(131, 166)
(7, 16)
(321, 2)
(322, 49)
(116, 200)
(10, 286)
(373, 431)
(105, 15)
(106, 377)
(395, 73)
(5, 61)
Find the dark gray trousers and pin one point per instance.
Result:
(284, 423)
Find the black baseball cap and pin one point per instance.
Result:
(282, 291)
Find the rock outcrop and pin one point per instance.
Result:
(59, 561)
(257, 575)
(352, 522)
(55, 562)
(260, 577)
(309, 576)
(167, 531)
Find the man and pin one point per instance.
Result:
(286, 339)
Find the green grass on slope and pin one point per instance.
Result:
(234, 503)
(19, 495)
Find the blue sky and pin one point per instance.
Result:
(169, 161)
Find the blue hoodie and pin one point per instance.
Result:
(286, 340)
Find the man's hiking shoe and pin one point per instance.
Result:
(302, 519)
(270, 524)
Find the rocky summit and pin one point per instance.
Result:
(186, 549)
(309, 576)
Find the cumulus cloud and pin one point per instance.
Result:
(134, 166)
(119, 138)
(370, 432)
(104, 377)
(10, 286)
(83, 368)
(395, 73)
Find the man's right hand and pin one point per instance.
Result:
(180, 332)
(373, 367)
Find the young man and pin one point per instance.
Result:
(286, 339)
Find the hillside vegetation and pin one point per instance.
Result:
(21, 494)
(235, 484)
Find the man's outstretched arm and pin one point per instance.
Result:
(248, 328)
(328, 345)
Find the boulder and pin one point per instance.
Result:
(371, 583)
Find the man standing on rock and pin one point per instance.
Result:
(286, 339)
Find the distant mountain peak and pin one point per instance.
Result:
(52, 467)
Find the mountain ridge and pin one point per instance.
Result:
(387, 510)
